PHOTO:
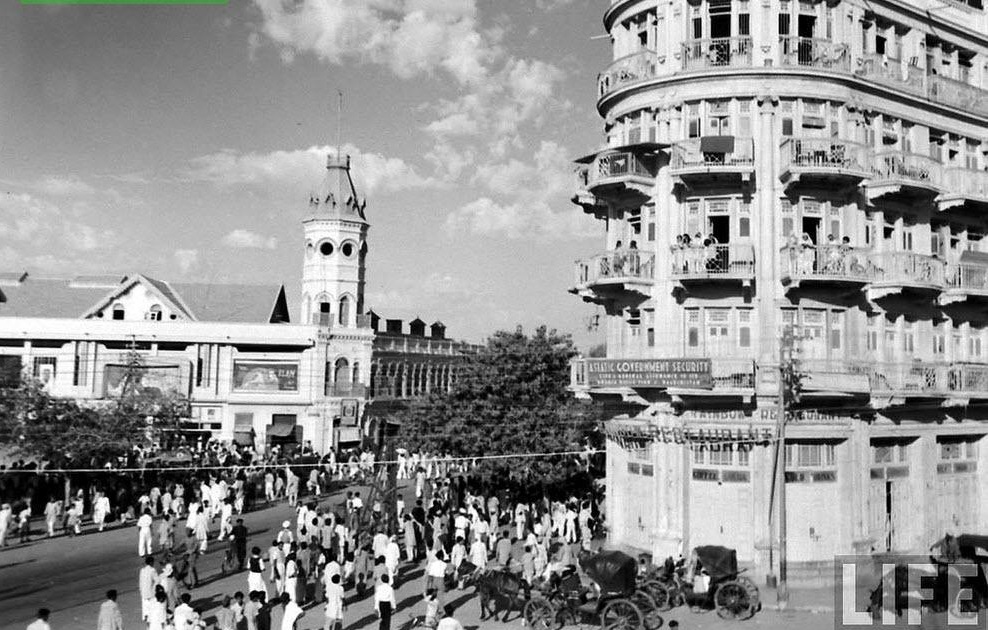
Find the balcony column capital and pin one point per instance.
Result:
(768, 102)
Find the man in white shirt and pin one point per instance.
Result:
(293, 612)
(334, 603)
(146, 580)
(41, 623)
(392, 555)
(436, 577)
(384, 602)
(380, 544)
(144, 534)
(184, 614)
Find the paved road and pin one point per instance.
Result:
(71, 575)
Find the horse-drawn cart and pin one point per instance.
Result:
(616, 603)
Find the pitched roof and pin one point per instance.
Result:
(68, 298)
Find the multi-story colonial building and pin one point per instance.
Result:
(250, 374)
(827, 161)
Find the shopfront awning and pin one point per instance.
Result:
(280, 430)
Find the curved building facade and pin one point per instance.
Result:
(792, 183)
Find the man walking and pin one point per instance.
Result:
(109, 613)
(384, 601)
(144, 534)
(240, 542)
(334, 604)
(147, 579)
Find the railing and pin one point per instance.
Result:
(967, 378)
(909, 268)
(357, 390)
(611, 165)
(967, 277)
(891, 73)
(824, 154)
(622, 264)
(828, 262)
(731, 259)
(893, 165)
(718, 52)
(690, 154)
(733, 373)
(916, 377)
(956, 93)
(965, 182)
(626, 70)
(814, 53)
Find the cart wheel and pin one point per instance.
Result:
(753, 593)
(732, 601)
(539, 615)
(650, 610)
(621, 614)
(565, 618)
(661, 593)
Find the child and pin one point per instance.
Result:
(431, 608)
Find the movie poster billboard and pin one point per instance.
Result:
(162, 378)
(265, 376)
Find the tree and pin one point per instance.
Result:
(510, 398)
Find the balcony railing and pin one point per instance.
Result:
(814, 53)
(619, 265)
(956, 93)
(891, 73)
(733, 373)
(965, 182)
(911, 167)
(617, 165)
(909, 269)
(824, 156)
(713, 153)
(714, 261)
(356, 390)
(627, 70)
(966, 378)
(833, 263)
(717, 52)
(917, 378)
(967, 277)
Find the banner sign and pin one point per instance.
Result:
(265, 376)
(684, 434)
(683, 373)
(164, 378)
(348, 411)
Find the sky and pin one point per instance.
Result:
(183, 142)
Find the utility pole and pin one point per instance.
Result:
(788, 393)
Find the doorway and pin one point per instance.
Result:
(720, 229)
(806, 28)
(811, 226)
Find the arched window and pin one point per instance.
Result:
(344, 316)
(154, 313)
(118, 311)
(342, 375)
(356, 373)
(324, 318)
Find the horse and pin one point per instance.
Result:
(505, 590)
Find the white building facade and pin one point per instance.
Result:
(828, 162)
(251, 375)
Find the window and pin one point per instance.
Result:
(326, 248)
(118, 311)
(974, 345)
(788, 219)
(939, 338)
(356, 372)
(744, 220)
(810, 455)
(744, 328)
(342, 375)
(203, 365)
(693, 120)
(693, 327)
(344, 314)
(872, 332)
(80, 366)
(908, 338)
(44, 369)
(154, 313)
(717, 322)
(965, 447)
(721, 455)
(836, 326)
(324, 317)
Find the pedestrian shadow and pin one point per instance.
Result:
(207, 602)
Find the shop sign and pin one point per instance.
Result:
(348, 411)
(681, 435)
(665, 373)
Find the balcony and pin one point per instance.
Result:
(918, 379)
(905, 272)
(906, 176)
(824, 161)
(712, 158)
(966, 280)
(892, 74)
(809, 52)
(830, 265)
(833, 378)
(894, 383)
(622, 177)
(347, 390)
(717, 52)
(628, 70)
(964, 187)
(956, 93)
(608, 276)
(732, 262)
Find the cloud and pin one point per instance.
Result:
(245, 239)
(411, 37)
(523, 200)
(296, 171)
(551, 5)
(186, 259)
(65, 185)
(70, 240)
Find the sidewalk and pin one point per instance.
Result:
(809, 599)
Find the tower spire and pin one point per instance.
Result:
(339, 125)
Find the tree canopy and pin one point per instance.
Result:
(62, 432)
(509, 398)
